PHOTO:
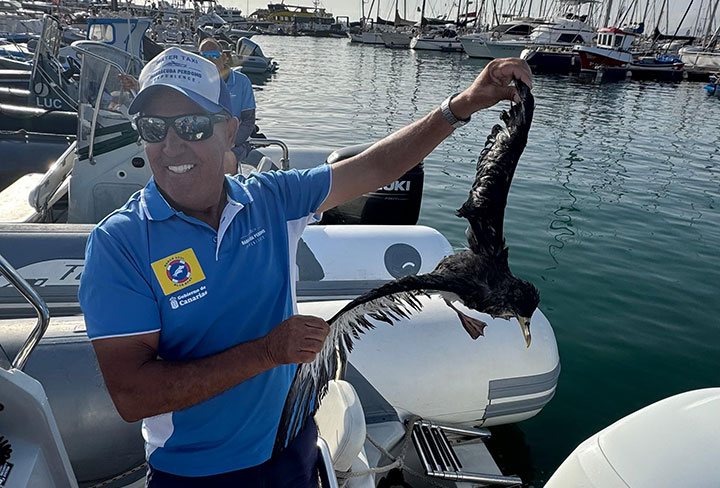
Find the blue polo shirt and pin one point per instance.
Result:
(150, 268)
(241, 92)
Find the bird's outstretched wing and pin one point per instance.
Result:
(485, 206)
(388, 303)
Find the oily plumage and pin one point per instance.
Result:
(478, 277)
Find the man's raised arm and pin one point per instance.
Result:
(396, 154)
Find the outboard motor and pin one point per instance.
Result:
(395, 204)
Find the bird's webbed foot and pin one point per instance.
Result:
(474, 327)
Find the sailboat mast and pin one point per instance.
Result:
(697, 19)
(422, 15)
(607, 14)
(659, 19)
(679, 25)
(644, 17)
(709, 22)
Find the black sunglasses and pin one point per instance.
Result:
(191, 127)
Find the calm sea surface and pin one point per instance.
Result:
(614, 214)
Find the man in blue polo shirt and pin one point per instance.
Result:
(188, 290)
(242, 98)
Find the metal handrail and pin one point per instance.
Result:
(325, 466)
(95, 114)
(285, 161)
(37, 303)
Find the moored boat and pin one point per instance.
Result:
(396, 39)
(250, 59)
(699, 62)
(483, 44)
(444, 40)
(661, 68)
(713, 87)
(551, 60)
(610, 57)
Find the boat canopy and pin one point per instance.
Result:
(246, 47)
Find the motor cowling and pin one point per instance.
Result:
(395, 204)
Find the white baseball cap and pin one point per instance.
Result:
(194, 76)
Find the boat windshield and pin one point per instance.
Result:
(502, 28)
(103, 103)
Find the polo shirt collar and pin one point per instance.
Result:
(231, 79)
(157, 208)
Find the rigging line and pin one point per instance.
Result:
(697, 19)
(626, 12)
(678, 27)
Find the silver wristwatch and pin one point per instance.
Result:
(449, 116)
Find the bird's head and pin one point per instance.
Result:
(523, 300)
(519, 301)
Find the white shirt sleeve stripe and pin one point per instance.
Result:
(129, 334)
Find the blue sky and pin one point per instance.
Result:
(351, 8)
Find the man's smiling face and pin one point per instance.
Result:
(189, 173)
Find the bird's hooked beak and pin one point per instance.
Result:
(525, 326)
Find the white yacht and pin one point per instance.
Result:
(369, 33)
(476, 44)
(439, 39)
(700, 59)
(565, 31)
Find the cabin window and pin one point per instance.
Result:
(520, 30)
(618, 41)
(570, 38)
(101, 32)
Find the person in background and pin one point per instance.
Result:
(241, 97)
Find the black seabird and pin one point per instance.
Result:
(478, 277)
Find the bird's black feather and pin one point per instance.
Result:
(485, 207)
(480, 277)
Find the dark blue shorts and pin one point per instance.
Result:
(295, 467)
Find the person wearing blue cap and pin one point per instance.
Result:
(188, 289)
(242, 99)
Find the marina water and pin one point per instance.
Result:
(614, 214)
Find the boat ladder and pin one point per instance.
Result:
(447, 460)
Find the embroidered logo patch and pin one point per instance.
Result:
(177, 271)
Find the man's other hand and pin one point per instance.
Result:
(492, 86)
(296, 340)
(128, 82)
